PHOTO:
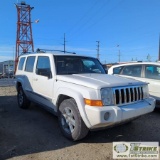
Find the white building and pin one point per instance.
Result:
(7, 66)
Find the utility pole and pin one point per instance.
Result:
(64, 43)
(119, 54)
(148, 57)
(159, 50)
(13, 59)
(98, 49)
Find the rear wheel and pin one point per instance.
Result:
(71, 123)
(23, 102)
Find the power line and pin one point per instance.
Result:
(99, 19)
(90, 17)
(84, 16)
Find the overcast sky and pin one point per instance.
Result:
(130, 27)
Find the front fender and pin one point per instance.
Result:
(79, 100)
(19, 79)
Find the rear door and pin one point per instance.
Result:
(28, 74)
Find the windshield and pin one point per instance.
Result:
(77, 64)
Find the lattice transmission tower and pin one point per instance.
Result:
(24, 39)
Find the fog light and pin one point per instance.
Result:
(106, 116)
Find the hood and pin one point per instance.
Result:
(98, 81)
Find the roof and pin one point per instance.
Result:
(136, 63)
(53, 53)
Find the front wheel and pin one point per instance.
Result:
(23, 102)
(70, 121)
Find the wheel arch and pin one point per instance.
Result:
(61, 98)
(18, 84)
(77, 96)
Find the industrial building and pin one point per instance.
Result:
(7, 67)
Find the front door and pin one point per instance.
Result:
(43, 81)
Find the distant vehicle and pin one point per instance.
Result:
(0, 75)
(105, 68)
(4, 75)
(144, 71)
(7, 75)
(11, 75)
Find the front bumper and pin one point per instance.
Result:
(118, 114)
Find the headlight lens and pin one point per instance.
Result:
(145, 91)
(107, 96)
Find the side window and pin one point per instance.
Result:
(152, 72)
(117, 70)
(21, 63)
(133, 70)
(30, 64)
(43, 67)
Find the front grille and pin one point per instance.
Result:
(125, 95)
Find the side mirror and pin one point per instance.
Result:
(49, 74)
(44, 72)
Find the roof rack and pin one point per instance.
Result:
(22, 53)
(51, 50)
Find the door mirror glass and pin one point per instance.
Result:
(44, 72)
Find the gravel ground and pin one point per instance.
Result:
(34, 134)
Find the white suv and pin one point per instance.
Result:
(77, 90)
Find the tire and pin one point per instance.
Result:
(70, 121)
(23, 102)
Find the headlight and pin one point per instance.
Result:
(107, 96)
(145, 91)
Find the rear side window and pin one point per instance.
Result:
(21, 63)
(30, 64)
(152, 72)
(133, 70)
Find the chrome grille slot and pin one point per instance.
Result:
(125, 95)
